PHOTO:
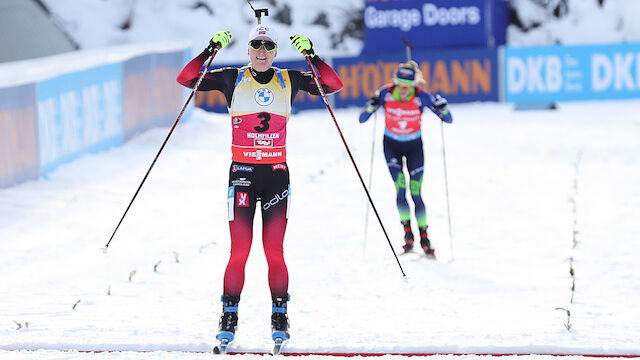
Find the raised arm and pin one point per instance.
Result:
(328, 78)
(191, 72)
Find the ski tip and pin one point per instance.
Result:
(277, 348)
(278, 342)
(224, 344)
(221, 349)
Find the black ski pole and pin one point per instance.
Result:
(193, 91)
(326, 102)
(408, 45)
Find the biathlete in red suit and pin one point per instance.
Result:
(403, 103)
(259, 98)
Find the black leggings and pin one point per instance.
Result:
(248, 183)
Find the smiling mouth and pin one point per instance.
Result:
(261, 58)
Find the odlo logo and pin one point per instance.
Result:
(276, 199)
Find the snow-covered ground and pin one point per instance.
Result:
(520, 185)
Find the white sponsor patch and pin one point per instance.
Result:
(263, 142)
(231, 194)
(263, 96)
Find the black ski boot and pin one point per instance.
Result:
(229, 319)
(279, 319)
(408, 236)
(426, 243)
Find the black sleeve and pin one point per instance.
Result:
(223, 80)
(375, 99)
(302, 80)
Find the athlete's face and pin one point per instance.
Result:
(261, 59)
(404, 91)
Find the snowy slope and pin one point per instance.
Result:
(335, 26)
(512, 179)
(544, 22)
(328, 23)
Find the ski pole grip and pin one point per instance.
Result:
(304, 52)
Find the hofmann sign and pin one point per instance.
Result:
(568, 73)
(459, 75)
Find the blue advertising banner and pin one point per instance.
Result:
(18, 140)
(77, 113)
(572, 73)
(214, 101)
(459, 75)
(433, 24)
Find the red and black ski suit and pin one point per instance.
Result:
(259, 104)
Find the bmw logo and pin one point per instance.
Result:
(264, 96)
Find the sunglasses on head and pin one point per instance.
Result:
(268, 45)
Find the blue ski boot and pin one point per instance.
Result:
(279, 323)
(228, 322)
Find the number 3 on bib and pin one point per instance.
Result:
(265, 122)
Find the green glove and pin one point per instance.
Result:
(221, 38)
(302, 43)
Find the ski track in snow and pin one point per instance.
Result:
(514, 178)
